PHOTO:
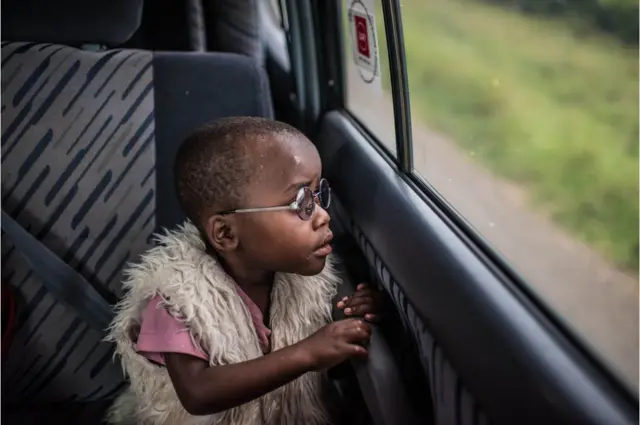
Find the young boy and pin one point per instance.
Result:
(228, 319)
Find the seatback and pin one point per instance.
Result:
(88, 141)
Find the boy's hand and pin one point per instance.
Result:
(336, 342)
(205, 390)
(365, 302)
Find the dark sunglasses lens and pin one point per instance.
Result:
(305, 202)
(324, 193)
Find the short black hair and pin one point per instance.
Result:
(214, 165)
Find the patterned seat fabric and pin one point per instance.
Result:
(88, 140)
(79, 175)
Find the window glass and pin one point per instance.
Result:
(274, 6)
(525, 120)
(274, 24)
(367, 82)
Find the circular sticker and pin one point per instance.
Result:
(363, 41)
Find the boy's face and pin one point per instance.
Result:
(280, 241)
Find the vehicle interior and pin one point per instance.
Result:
(97, 96)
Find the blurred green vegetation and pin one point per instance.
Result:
(616, 17)
(540, 100)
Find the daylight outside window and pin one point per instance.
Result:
(367, 84)
(525, 121)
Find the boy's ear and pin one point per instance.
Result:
(221, 233)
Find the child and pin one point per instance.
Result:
(228, 319)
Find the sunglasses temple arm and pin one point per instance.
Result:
(251, 210)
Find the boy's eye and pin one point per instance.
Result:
(308, 209)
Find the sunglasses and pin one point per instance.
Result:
(304, 205)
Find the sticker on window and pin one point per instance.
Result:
(364, 40)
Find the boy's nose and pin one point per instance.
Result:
(320, 217)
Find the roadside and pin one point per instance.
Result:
(598, 300)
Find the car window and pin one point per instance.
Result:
(366, 71)
(525, 121)
(276, 9)
(274, 27)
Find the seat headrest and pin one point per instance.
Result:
(73, 22)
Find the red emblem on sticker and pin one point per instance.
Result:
(362, 34)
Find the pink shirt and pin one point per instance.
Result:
(161, 333)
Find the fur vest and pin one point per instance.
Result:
(196, 290)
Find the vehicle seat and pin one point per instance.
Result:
(234, 26)
(89, 133)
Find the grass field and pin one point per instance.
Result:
(538, 102)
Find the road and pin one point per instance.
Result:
(598, 300)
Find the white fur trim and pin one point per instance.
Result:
(196, 289)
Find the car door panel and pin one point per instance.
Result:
(379, 377)
(509, 356)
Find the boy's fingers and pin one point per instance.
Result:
(374, 318)
(355, 301)
(359, 309)
(343, 302)
(365, 293)
(358, 350)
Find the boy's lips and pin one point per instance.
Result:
(324, 249)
